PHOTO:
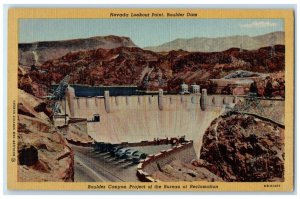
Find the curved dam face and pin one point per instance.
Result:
(145, 117)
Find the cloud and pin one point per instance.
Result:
(259, 24)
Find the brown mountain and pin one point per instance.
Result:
(134, 66)
(39, 52)
(204, 44)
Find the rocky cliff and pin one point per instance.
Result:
(244, 148)
(43, 153)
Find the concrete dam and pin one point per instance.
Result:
(145, 117)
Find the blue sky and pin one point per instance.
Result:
(143, 32)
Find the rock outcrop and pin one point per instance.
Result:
(43, 153)
(243, 148)
(25, 82)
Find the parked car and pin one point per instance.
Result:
(106, 147)
(98, 146)
(138, 156)
(115, 149)
(128, 155)
(121, 152)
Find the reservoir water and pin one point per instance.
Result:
(92, 91)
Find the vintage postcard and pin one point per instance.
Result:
(150, 99)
